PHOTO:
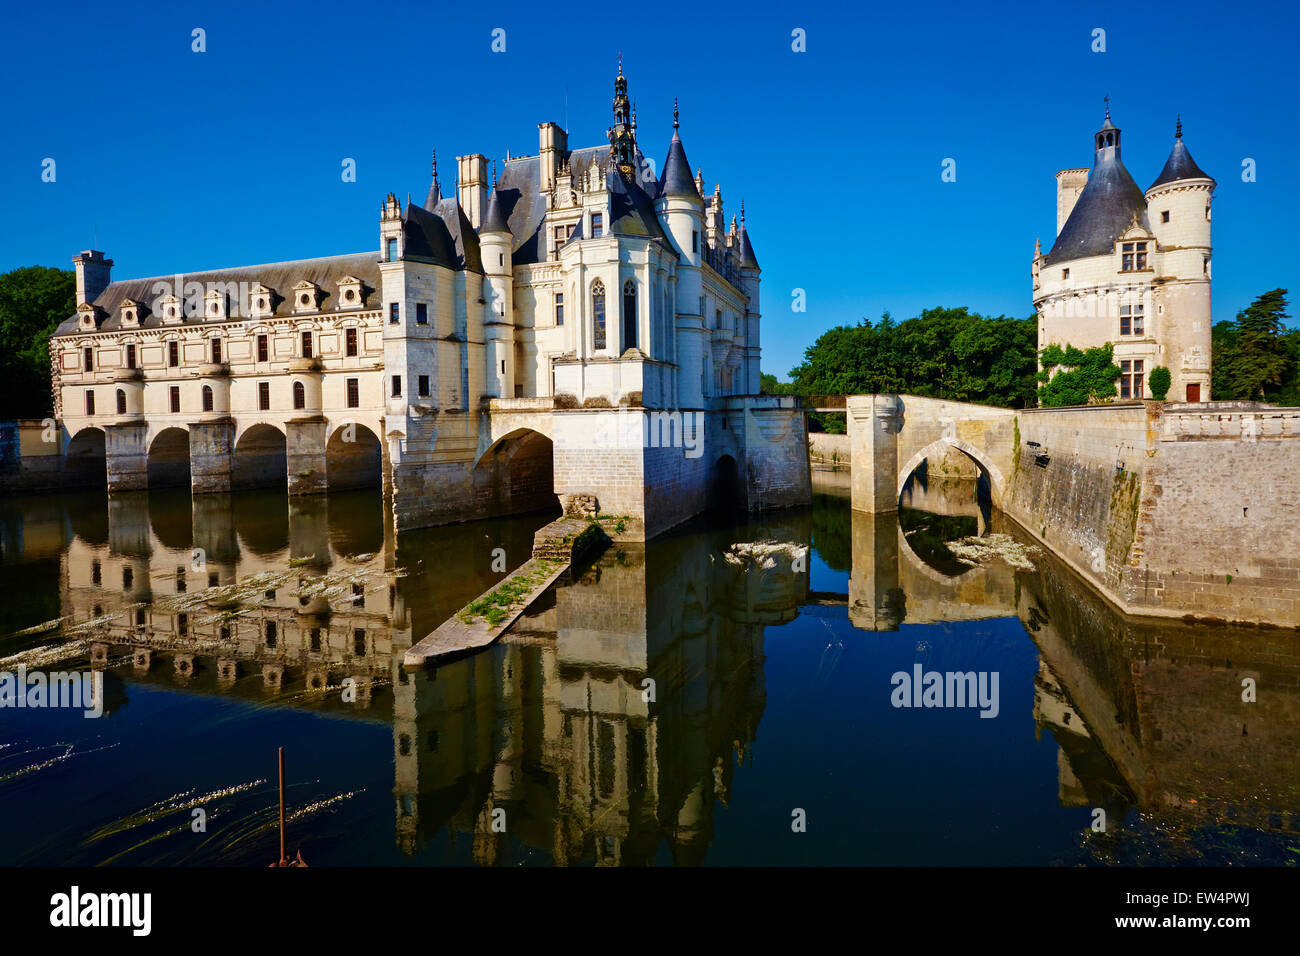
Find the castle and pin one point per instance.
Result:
(1132, 268)
(584, 327)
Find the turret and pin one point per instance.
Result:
(1179, 203)
(495, 240)
(749, 278)
(681, 210)
(1179, 208)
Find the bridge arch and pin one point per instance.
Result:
(169, 459)
(259, 459)
(354, 458)
(516, 474)
(937, 448)
(85, 458)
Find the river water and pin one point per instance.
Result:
(728, 694)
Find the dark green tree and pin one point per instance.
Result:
(33, 301)
(942, 353)
(1262, 363)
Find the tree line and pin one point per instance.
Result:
(963, 356)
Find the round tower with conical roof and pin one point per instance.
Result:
(495, 240)
(1179, 209)
(1130, 268)
(681, 210)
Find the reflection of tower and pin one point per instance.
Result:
(876, 601)
(558, 732)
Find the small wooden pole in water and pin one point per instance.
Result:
(283, 859)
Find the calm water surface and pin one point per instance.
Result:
(769, 665)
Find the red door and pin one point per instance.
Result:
(1194, 392)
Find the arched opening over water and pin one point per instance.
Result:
(945, 495)
(726, 490)
(517, 475)
(353, 459)
(169, 459)
(85, 459)
(259, 459)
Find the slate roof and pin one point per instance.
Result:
(1179, 165)
(677, 180)
(747, 257)
(443, 237)
(280, 277)
(524, 205)
(1103, 211)
(494, 220)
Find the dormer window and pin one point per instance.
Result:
(349, 292)
(306, 297)
(214, 305)
(88, 317)
(129, 314)
(259, 301)
(169, 307)
(597, 224)
(1133, 256)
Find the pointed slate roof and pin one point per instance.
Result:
(1179, 165)
(677, 180)
(1105, 208)
(494, 219)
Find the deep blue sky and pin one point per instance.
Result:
(180, 161)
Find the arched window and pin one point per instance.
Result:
(299, 395)
(629, 314)
(121, 402)
(207, 398)
(598, 315)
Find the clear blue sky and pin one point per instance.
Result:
(180, 161)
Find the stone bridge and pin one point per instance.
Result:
(890, 436)
(1168, 508)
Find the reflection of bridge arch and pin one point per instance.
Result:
(936, 449)
(516, 474)
(915, 561)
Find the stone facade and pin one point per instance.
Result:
(1132, 268)
(1178, 509)
(482, 362)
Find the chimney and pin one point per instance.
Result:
(93, 275)
(553, 144)
(471, 185)
(1069, 183)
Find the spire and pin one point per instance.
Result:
(494, 218)
(676, 180)
(435, 188)
(1180, 164)
(747, 258)
(622, 135)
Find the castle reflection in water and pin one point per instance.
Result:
(610, 721)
